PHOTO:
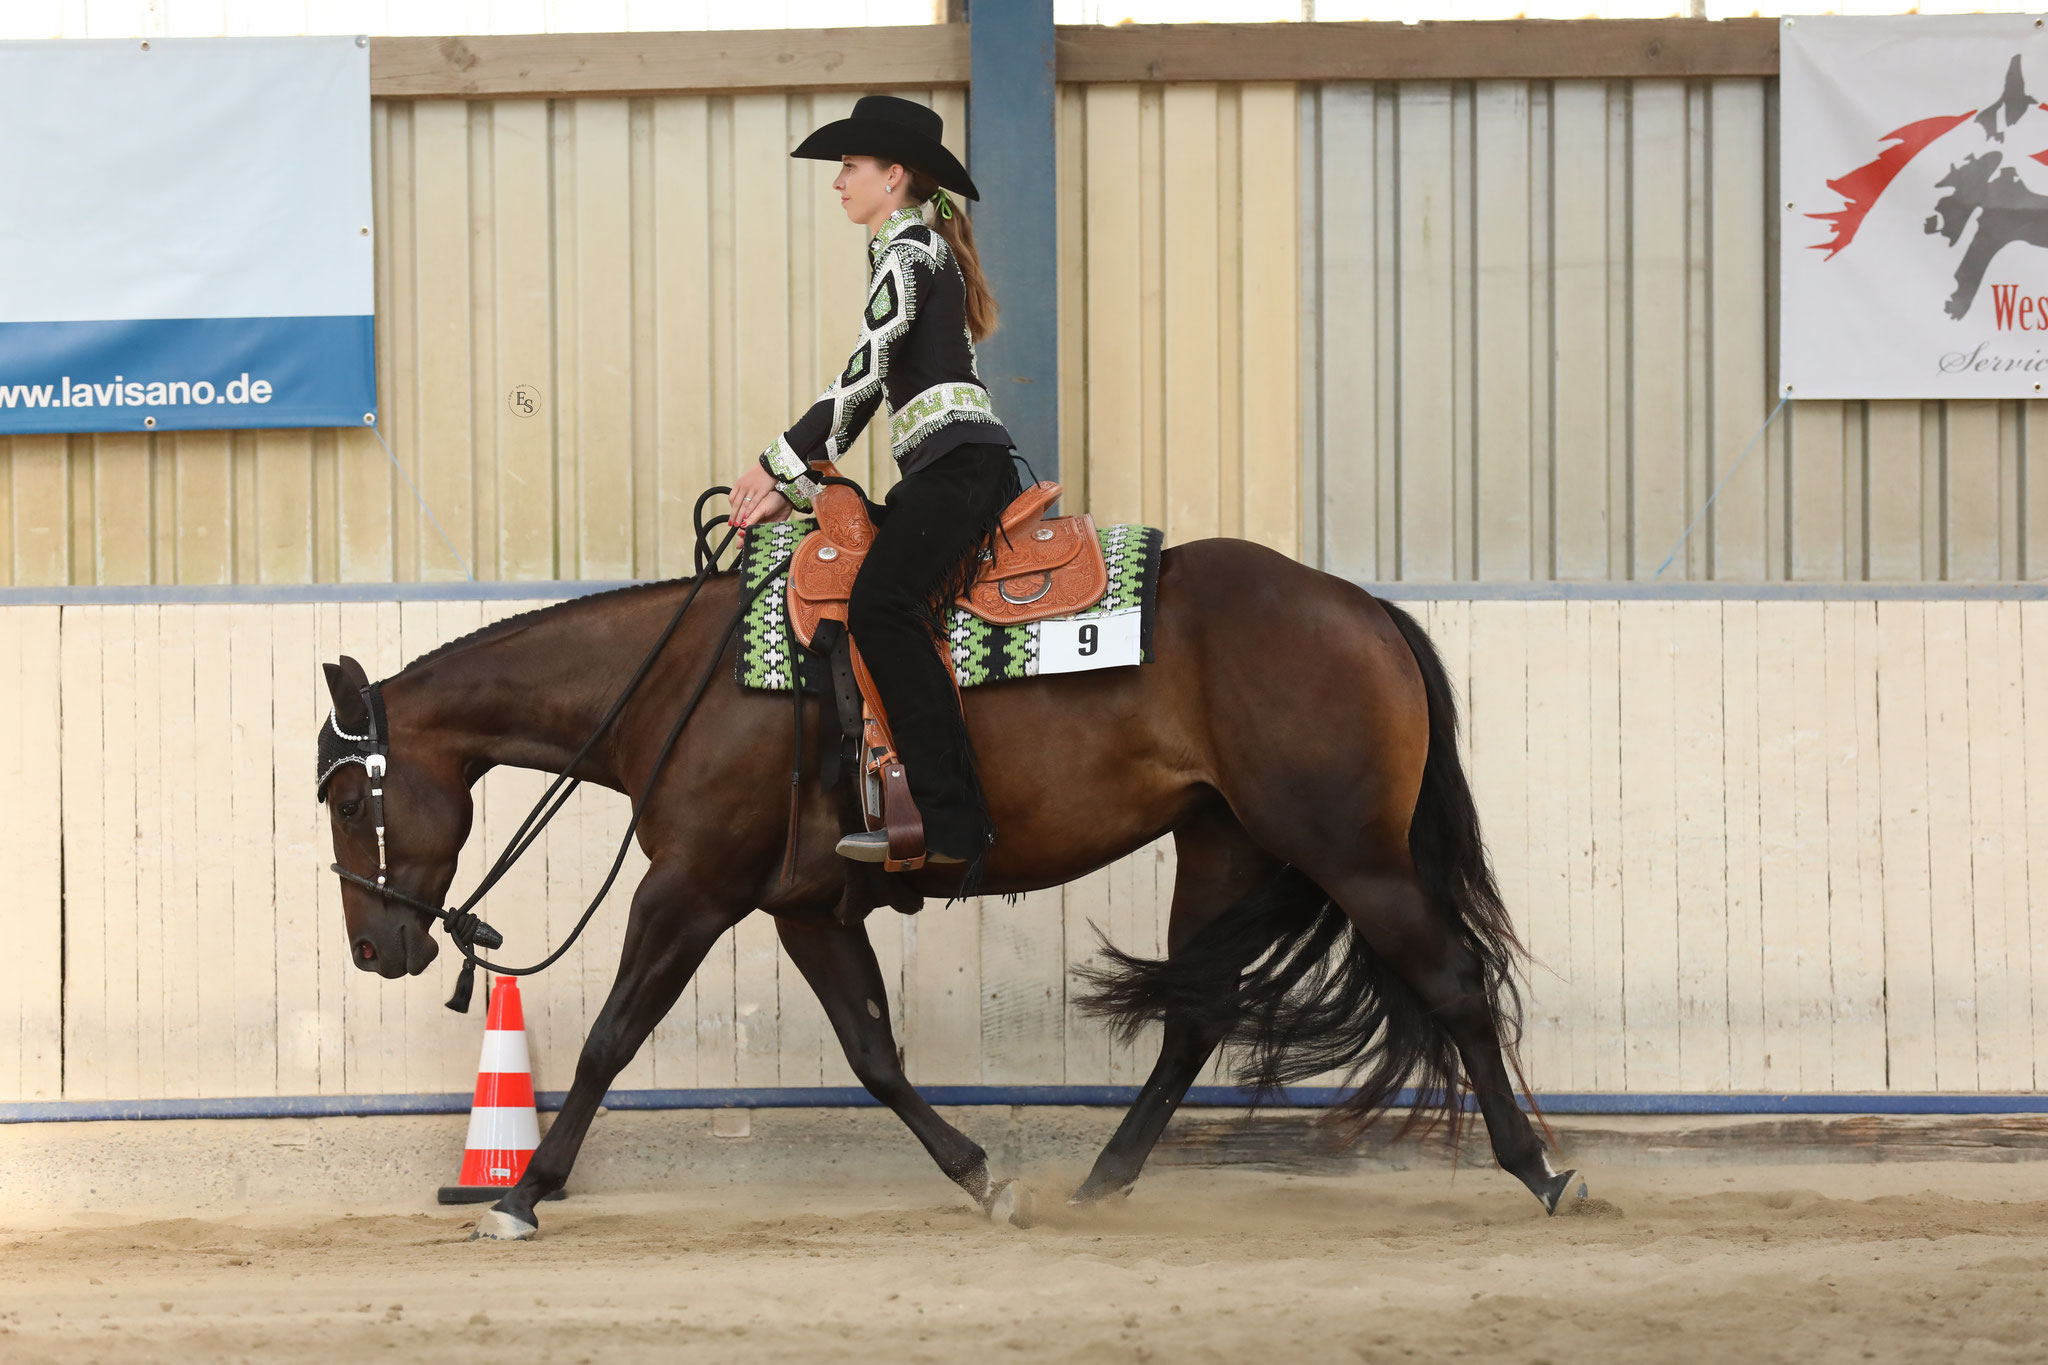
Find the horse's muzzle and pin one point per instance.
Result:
(407, 950)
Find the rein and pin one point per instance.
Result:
(466, 929)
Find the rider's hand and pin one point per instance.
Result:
(754, 500)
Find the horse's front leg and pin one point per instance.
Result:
(839, 963)
(667, 936)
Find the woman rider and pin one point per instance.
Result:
(927, 305)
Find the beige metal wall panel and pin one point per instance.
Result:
(1806, 870)
(1179, 369)
(1541, 330)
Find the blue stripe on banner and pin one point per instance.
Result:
(189, 374)
(1100, 1096)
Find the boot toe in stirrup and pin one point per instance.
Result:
(872, 846)
(869, 846)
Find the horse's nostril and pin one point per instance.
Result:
(366, 951)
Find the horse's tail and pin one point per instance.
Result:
(1286, 982)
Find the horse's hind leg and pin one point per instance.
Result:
(1399, 925)
(839, 963)
(1218, 864)
(666, 938)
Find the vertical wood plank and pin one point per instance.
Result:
(1701, 843)
(1609, 848)
(118, 866)
(1855, 909)
(214, 836)
(40, 497)
(2034, 682)
(297, 842)
(1777, 637)
(942, 975)
(150, 850)
(2007, 755)
(1985, 748)
(1949, 837)
(1546, 911)
(31, 768)
(1812, 946)
(183, 919)
(85, 893)
(1742, 776)
(1902, 719)
(252, 901)
(440, 421)
(1649, 889)
(1022, 1003)
(1348, 330)
(1892, 444)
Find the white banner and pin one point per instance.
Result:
(185, 234)
(1913, 164)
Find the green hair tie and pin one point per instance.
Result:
(941, 204)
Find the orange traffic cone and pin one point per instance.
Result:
(503, 1128)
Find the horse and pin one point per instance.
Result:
(1333, 905)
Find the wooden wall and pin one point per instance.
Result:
(1541, 325)
(1753, 845)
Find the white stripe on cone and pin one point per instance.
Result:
(504, 1050)
(502, 1130)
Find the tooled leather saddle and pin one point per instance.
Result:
(1038, 567)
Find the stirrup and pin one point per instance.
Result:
(872, 846)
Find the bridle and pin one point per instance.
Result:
(466, 930)
(373, 752)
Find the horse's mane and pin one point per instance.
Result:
(538, 614)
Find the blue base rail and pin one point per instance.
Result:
(1100, 1096)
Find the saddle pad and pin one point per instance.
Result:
(1114, 633)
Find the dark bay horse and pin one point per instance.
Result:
(1333, 907)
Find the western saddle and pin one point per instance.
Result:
(1038, 567)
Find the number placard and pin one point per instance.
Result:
(1077, 644)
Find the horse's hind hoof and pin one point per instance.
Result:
(498, 1226)
(1550, 1191)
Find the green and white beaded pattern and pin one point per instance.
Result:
(982, 653)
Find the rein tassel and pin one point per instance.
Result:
(465, 987)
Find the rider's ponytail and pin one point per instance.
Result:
(950, 221)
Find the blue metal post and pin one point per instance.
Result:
(1012, 151)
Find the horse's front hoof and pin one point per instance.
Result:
(498, 1226)
(1550, 1191)
(1010, 1202)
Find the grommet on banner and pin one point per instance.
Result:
(362, 40)
(145, 45)
(151, 421)
(369, 419)
(366, 232)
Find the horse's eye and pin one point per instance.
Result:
(349, 809)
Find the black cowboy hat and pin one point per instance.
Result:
(892, 130)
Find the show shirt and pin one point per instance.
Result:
(915, 350)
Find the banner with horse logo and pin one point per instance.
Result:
(1914, 236)
(185, 235)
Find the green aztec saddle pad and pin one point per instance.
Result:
(1114, 633)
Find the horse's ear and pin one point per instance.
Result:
(345, 683)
